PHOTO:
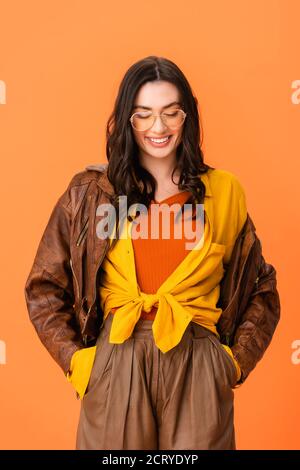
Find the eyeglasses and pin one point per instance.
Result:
(142, 121)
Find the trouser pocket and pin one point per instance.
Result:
(229, 366)
(102, 363)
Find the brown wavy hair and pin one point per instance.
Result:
(124, 171)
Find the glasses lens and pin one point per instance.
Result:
(144, 120)
(174, 118)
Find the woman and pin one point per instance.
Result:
(159, 376)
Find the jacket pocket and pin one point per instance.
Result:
(75, 283)
(83, 232)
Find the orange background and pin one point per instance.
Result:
(62, 63)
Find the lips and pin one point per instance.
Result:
(158, 144)
(158, 137)
(169, 137)
(163, 137)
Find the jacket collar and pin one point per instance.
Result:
(103, 181)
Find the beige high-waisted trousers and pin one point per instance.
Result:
(141, 398)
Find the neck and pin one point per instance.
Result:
(161, 169)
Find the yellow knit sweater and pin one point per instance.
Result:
(191, 291)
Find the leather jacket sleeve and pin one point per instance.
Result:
(49, 287)
(258, 321)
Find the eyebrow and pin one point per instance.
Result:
(164, 107)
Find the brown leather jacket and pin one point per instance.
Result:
(61, 289)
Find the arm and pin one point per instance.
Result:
(258, 321)
(49, 287)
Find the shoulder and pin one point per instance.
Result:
(230, 208)
(224, 182)
(78, 185)
(90, 173)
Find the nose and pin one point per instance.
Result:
(158, 126)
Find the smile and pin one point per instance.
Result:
(159, 142)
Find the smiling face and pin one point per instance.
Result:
(157, 97)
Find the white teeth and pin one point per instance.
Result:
(158, 141)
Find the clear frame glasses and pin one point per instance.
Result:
(144, 120)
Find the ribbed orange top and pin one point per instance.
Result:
(157, 258)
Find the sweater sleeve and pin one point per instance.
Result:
(238, 369)
(80, 369)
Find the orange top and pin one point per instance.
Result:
(157, 258)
